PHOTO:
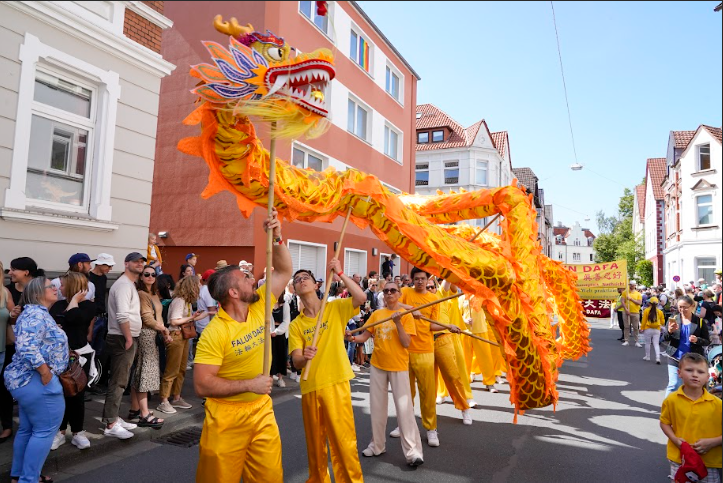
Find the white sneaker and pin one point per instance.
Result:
(80, 441)
(466, 418)
(471, 377)
(395, 433)
(275, 378)
(439, 400)
(165, 407)
(117, 431)
(638, 345)
(447, 399)
(492, 389)
(471, 403)
(126, 426)
(625, 343)
(280, 383)
(355, 368)
(432, 438)
(646, 358)
(58, 441)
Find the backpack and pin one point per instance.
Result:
(666, 303)
(166, 303)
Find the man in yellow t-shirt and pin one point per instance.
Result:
(421, 352)
(240, 436)
(326, 394)
(390, 365)
(632, 302)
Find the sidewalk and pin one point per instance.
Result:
(68, 455)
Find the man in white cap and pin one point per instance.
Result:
(103, 264)
(632, 303)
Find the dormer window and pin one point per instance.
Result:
(703, 157)
(419, 115)
(437, 136)
(422, 137)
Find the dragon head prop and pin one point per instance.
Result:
(258, 76)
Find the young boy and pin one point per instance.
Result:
(692, 415)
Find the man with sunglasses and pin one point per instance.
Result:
(240, 437)
(390, 365)
(326, 394)
(421, 352)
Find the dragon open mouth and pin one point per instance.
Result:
(304, 84)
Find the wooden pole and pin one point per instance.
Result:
(379, 322)
(485, 227)
(326, 294)
(269, 253)
(469, 334)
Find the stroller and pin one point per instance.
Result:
(714, 370)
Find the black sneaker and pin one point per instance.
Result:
(416, 462)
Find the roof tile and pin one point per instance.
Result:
(500, 141)
(714, 131)
(656, 170)
(640, 192)
(526, 176)
(682, 138)
(433, 117)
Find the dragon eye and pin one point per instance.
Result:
(275, 53)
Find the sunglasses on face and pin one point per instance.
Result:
(302, 278)
(388, 291)
(150, 274)
(431, 287)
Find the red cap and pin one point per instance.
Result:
(207, 274)
(692, 469)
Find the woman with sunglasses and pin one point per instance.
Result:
(685, 332)
(147, 377)
(32, 379)
(390, 365)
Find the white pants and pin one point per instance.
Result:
(652, 337)
(379, 402)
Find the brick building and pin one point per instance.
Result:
(654, 216)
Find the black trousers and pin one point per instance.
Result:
(6, 400)
(621, 322)
(75, 408)
(279, 354)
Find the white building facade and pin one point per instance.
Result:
(80, 89)
(573, 245)
(654, 217)
(693, 207)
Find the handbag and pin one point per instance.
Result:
(74, 378)
(188, 330)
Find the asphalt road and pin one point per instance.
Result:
(604, 429)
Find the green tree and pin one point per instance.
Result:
(616, 240)
(625, 206)
(644, 271)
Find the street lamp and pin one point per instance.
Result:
(576, 167)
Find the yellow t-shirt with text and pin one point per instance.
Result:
(331, 363)
(423, 342)
(389, 354)
(633, 308)
(237, 347)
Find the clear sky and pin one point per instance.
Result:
(634, 72)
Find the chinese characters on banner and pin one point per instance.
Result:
(597, 308)
(600, 281)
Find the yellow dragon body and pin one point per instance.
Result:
(507, 275)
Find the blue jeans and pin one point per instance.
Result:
(674, 380)
(350, 351)
(41, 411)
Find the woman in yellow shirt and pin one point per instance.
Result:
(650, 324)
(390, 365)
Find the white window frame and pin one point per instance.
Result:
(698, 155)
(320, 269)
(417, 170)
(696, 206)
(329, 15)
(698, 266)
(485, 168)
(360, 33)
(391, 188)
(308, 151)
(33, 55)
(360, 105)
(388, 129)
(363, 269)
(444, 172)
(400, 78)
(431, 137)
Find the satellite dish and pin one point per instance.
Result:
(576, 167)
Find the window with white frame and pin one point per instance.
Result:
(419, 115)
(391, 83)
(358, 118)
(480, 173)
(360, 50)
(703, 157)
(451, 172)
(575, 257)
(308, 9)
(391, 142)
(705, 268)
(704, 209)
(437, 136)
(355, 261)
(305, 159)
(591, 257)
(308, 256)
(64, 134)
(559, 255)
(421, 173)
(422, 137)
(391, 188)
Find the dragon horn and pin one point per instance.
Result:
(232, 27)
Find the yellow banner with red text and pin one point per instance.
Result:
(600, 281)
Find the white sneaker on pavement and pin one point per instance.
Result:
(625, 343)
(395, 433)
(280, 383)
(58, 441)
(646, 358)
(432, 438)
(491, 388)
(181, 403)
(80, 441)
(126, 426)
(466, 418)
(117, 431)
(638, 345)
(447, 399)
(355, 368)
(165, 407)
(471, 403)
(439, 400)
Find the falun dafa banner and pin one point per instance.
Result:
(600, 281)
